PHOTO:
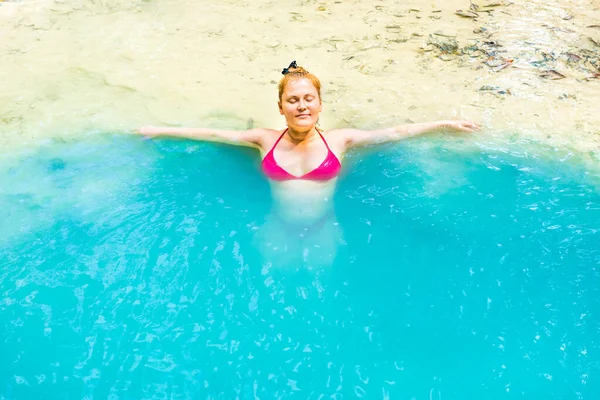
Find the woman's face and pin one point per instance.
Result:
(300, 104)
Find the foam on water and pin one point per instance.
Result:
(130, 268)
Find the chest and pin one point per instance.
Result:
(301, 159)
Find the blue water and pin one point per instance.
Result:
(129, 269)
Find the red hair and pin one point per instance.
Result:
(298, 73)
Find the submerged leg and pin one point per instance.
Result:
(285, 245)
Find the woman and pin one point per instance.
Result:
(302, 162)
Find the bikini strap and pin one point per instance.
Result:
(278, 140)
(324, 141)
(280, 137)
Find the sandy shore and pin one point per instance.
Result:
(529, 68)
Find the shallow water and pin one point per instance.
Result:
(129, 268)
(132, 268)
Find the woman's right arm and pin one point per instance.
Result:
(250, 138)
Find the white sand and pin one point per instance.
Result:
(73, 67)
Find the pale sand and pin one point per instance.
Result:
(81, 67)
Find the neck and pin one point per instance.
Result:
(301, 136)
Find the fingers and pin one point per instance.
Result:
(465, 126)
(144, 130)
(469, 126)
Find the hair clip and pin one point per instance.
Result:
(287, 70)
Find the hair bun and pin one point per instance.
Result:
(292, 65)
(293, 72)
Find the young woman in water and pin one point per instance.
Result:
(303, 162)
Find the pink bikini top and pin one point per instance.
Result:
(329, 168)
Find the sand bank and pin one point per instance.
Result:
(526, 68)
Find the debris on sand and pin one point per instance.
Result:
(494, 62)
(440, 33)
(488, 88)
(491, 5)
(552, 75)
(447, 48)
(567, 17)
(495, 90)
(572, 58)
(580, 62)
(506, 63)
(473, 51)
(474, 9)
(446, 44)
(467, 14)
(566, 96)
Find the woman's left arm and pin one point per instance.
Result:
(356, 137)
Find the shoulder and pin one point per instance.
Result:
(265, 137)
(269, 134)
(353, 137)
(343, 133)
(340, 136)
(333, 134)
(337, 139)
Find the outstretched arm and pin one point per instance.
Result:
(356, 137)
(250, 138)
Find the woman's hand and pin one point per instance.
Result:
(149, 131)
(460, 126)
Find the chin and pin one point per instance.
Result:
(305, 123)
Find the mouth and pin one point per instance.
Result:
(302, 115)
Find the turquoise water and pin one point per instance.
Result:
(128, 269)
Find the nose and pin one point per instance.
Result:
(301, 105)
